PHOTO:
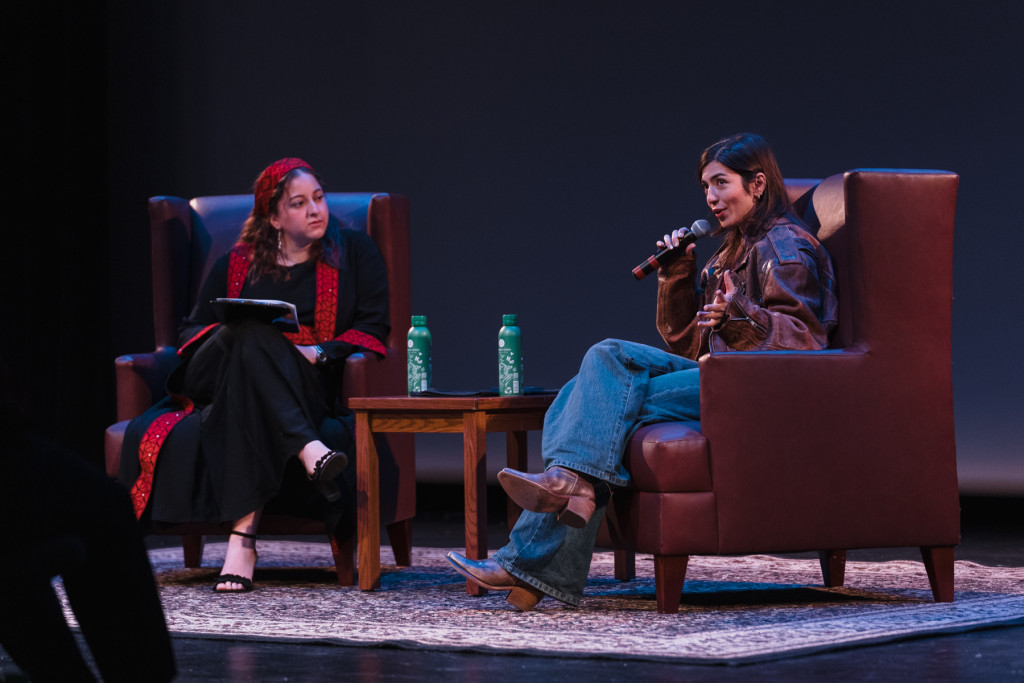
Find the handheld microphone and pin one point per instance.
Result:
(700, 228)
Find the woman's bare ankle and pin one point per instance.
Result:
(311, 454)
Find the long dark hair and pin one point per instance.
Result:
(261, 237)
(748, 154)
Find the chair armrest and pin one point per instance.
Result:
(366, 374)
(750, 400)
(140, 380)
(803, 442)
(785, 371)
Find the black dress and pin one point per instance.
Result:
(257, 401)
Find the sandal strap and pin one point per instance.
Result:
(244, 535)
(233, 578)
(324, 459)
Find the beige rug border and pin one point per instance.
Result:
(498, 629)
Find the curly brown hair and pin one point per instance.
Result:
(262, 238)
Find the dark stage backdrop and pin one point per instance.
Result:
(545, 146)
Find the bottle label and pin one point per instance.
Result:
(510, 371)
(419, 368)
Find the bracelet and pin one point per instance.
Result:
(321, 357)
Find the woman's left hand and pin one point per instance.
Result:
(308, 352)
(713, 313)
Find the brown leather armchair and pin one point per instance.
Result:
(851, 447)
(187, 237)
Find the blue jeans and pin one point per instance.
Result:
(621, 386)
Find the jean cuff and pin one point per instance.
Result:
(612, 479)
(573, 600)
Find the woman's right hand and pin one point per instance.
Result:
(672, 240)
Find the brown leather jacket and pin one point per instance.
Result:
(786, 297)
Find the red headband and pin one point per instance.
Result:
(269, 179)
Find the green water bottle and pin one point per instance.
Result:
(419, 355)
(510, 357)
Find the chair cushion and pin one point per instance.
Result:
(669, 457)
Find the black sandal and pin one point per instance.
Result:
(247, 584)
(329, 466)
(232, 578)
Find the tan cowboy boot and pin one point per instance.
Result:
(557, 490)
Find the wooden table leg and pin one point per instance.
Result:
(516, 459)
(474, 444)
(367, 504)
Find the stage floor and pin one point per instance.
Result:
(991, 537)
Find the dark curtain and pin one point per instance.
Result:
(56, 313)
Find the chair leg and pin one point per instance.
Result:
(625, 565)
(192, 545)
(938, 562)
(400, 535)
(833, 567)
(344, 550)
(669, 576)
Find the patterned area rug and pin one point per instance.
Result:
(734, 609)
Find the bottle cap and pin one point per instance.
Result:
(419, 321)
(510, 319)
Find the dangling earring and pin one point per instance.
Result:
(279, 240)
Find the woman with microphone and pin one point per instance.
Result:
(770, 286)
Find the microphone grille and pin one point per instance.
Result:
(700, 228)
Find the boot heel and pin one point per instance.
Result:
(524, 597)
(577, 512)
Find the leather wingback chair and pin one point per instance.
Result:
(850, 447)
(187, 237)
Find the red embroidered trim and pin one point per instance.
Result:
(198, 335)
(367, 341)
(149, 449)
(238, 268)
(326, 311)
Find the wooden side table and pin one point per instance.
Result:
(474, 417)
